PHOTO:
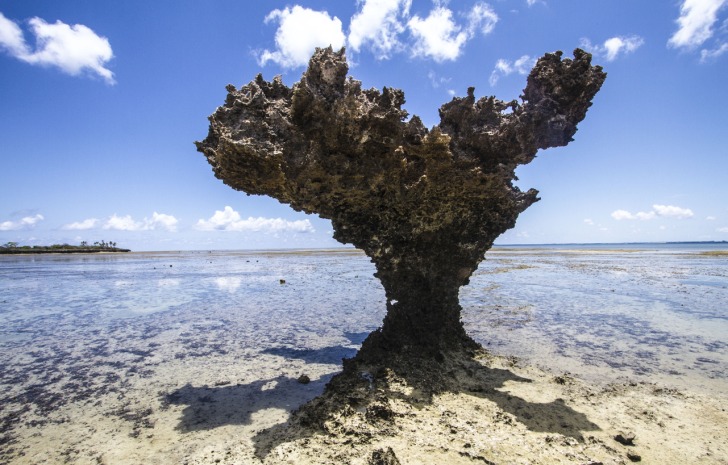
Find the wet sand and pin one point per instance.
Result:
(203, 384)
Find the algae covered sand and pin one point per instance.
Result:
(198, 358)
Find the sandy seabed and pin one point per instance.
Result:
(179, 387)
(207, 410)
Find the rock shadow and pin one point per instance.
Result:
(326, 355)
(211, 407)
(477, 379)
(234, 404)
(362, 398)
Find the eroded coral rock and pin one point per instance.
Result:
(425, 205)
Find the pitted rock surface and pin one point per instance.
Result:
(425, 205)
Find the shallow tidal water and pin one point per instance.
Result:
(644, 314)
(97, 344)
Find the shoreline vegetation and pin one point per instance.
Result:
(12, 248)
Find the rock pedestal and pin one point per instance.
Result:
(425, 205)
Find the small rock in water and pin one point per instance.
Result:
(634, 457)
(304, 379)
(626, 439)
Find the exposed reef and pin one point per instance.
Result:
(425, 205)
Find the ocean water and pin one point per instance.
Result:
(81, 325)
(639, 312)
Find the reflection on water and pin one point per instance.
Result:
(639, 313)
(228, 283)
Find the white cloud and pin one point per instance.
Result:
(672, 211)
(504, 67)
(707, 55)
(710, 218)
(162, 221)
(24, 223)
(482, 18)
(156, 222)
(665, 211)
(613, 47)
(723, 230)
(84, 225)
(377, 25)
(300, 31)
(73, 49)
(625, 215)
(122, 223)
(11, 37)
(696, 21)
(617, 45)
(439, 37)
(230, 220)
(589, 222)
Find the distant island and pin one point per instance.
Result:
(698, 242)
(101, 246)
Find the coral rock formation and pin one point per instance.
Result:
(425, 205)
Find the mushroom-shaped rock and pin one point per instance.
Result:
(425, 205)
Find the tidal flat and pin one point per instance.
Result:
(197, 358)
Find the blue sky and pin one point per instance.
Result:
(100, 103)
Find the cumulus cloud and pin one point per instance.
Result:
(27, 222)
(671, 211)
(74, 49)
(664, 211)
(300, 31)
(723, 230)
(695, 24)
(439, 37)
(621, 45)
(84, 225)
(620, 215)
(162, 221)
(230, 220)
(377, 24)
(504, 67)
(156, 222)
(122, 223)
(613, 47)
